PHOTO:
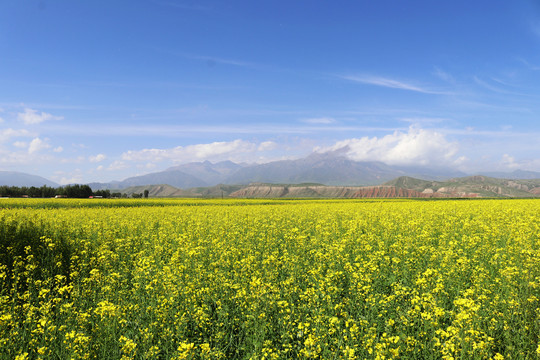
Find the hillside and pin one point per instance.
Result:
(477, 186)
(322, 191)
(402, 187)
(171, 191)
(156, 191)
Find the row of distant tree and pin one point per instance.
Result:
(70, 191)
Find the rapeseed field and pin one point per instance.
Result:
(253, 279)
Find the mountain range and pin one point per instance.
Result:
(330, 169)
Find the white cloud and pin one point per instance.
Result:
(509, 161)
(30, 117)
(267, 146)
(72, 177)
(78, 160)
(20, 144)
(215, 150)
(97, 158)
(321, 120)
(117, 165)
(16, 159)
(6, 134)
(58, 149)
(416, 147)
(36, 145)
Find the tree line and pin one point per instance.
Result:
(70, 191)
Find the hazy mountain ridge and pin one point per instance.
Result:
(15, 178)
(208, 172)
(328, 169)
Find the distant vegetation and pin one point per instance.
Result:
(70, 191)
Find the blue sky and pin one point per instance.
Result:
(103, 90)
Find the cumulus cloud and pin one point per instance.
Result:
(415, 147)
(192, 152)
(31, 117)
(97, 158)
(58, 149)
(36, 145)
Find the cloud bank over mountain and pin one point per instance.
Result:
(416, 147)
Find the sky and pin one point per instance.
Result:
(103, 90)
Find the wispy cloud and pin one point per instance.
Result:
(188, 130)
(497, 89)
(528, 64)
(443, 75)
(489, 86)
(319, 120)
(211, 60)
(390, 83)
(423, 120)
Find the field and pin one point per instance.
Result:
(272, 279)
